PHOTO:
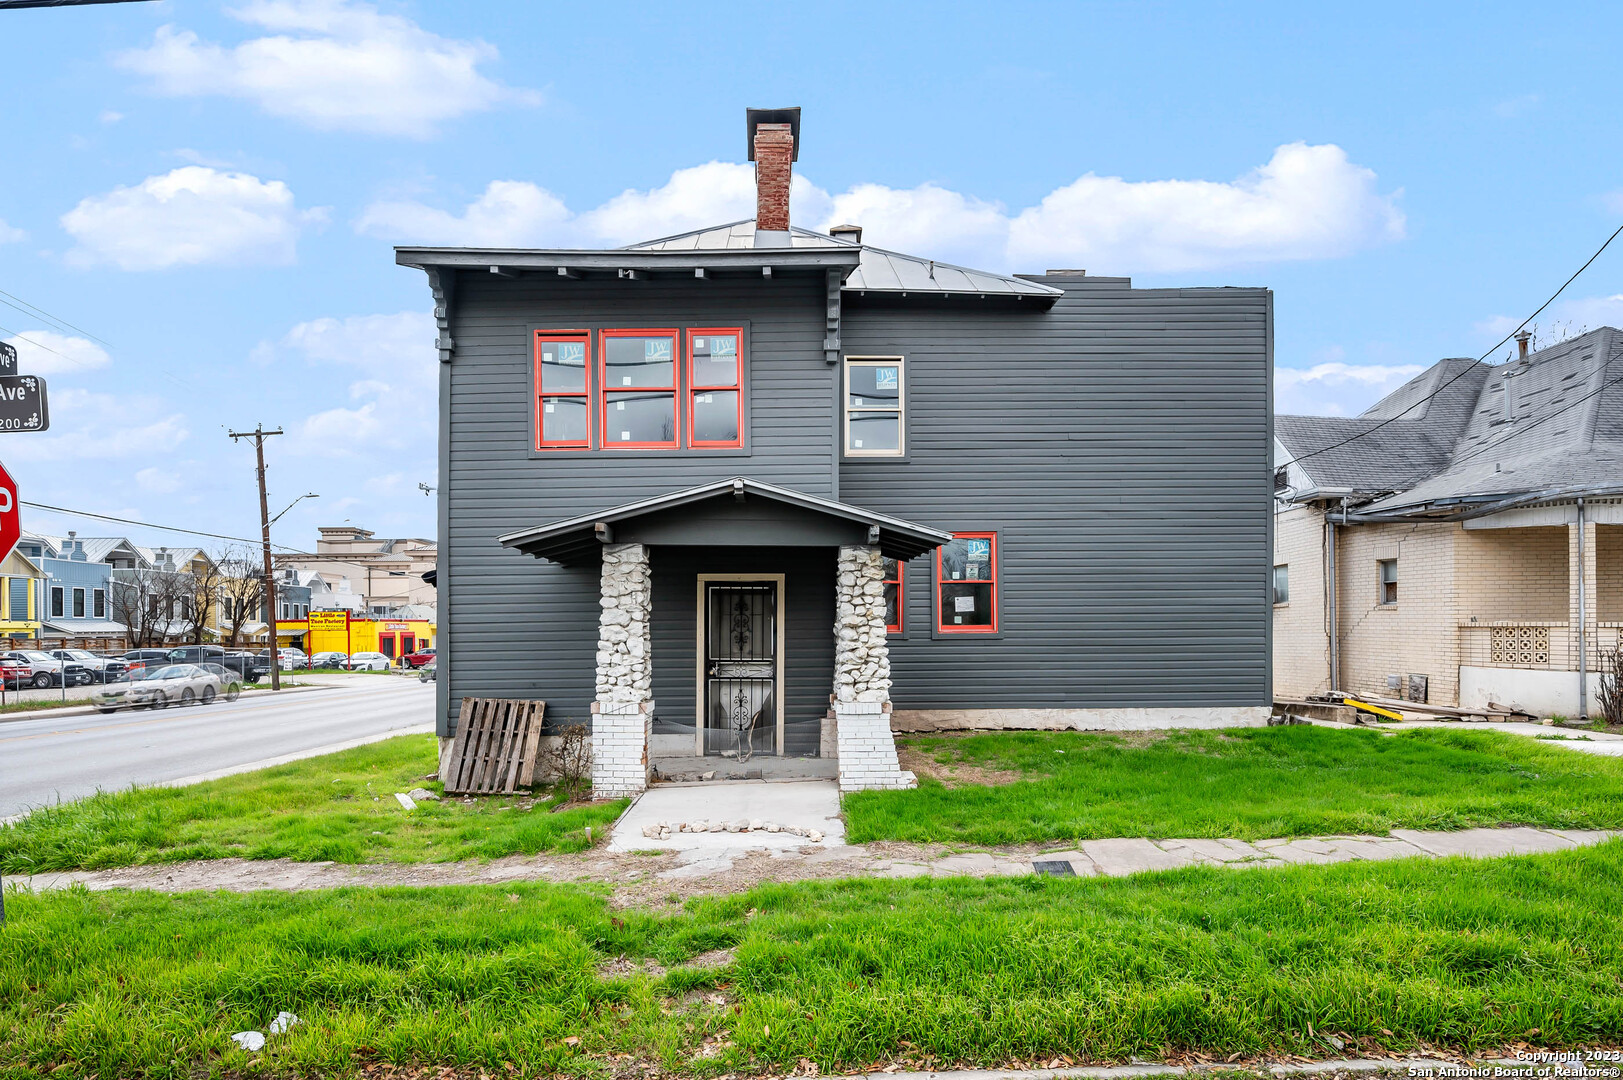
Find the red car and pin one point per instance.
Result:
(418, 658)
(16, 673)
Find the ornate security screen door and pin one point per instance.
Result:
(741, 669)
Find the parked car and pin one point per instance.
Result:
(49, 671)
(136, 659)
(419, 658)
(292, 659)
(230, 686)
(17, 674)
(159, 687)
(101, 668)
(368, 661)
(327, 660)
(248, 667)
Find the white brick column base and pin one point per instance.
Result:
(620, 736)
(867, 749)
(861, 698)
(623, 714)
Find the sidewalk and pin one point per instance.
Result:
(639, 877)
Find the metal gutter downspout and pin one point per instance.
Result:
(1583, 652)
(1332, 575)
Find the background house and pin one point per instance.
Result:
(384, 574)
(22, 590)
(1464, 535)
(79, 590)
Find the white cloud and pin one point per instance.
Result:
(109, 116)
(10, 234)
(187, 217)
(332, 64)
(158, 481)
(395, 394)
(1336, 388)
(90, 425)
(510, 213)
(1307, 202)
(44, 352)
(340, 429)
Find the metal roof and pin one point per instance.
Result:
(571, 540)
(878, 271)
(1561, 431)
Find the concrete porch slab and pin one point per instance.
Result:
(807, 804)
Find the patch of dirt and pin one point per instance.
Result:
(953, 774)
(713, 959)
(621, 967)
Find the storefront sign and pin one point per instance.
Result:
(329, 620)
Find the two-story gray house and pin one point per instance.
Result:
(760, 490)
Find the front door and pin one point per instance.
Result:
(741, 669)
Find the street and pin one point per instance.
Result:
(66, 757)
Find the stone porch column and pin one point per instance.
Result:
(861, 700)
(1582, 570)
(623, 714)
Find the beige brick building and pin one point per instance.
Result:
(1461, 540)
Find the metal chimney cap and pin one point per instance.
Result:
(753, 118)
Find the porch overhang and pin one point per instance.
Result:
(737, 512)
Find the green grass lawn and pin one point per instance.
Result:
(339, 807)
(38, 703)
(849, 974)
(1249, 783)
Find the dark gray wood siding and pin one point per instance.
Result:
(521, 627)
(1119, 446)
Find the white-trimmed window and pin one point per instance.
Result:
(875, 407)
(1282, 583)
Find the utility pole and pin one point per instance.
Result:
(258, 435)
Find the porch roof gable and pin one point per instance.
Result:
(576, 540)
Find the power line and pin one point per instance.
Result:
(1467, 370)
(46, 314)
(37, 344)
(1602, 388)
(150, 525)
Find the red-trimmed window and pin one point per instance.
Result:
(562, 389)
(966, 584)
(637, 370)
(715, 410)
(895, 597)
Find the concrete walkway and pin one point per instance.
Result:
(638, 877)
(1584, 741)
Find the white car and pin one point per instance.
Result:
(159, 687)
(369, 661)
(292, 659)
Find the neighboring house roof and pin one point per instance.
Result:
(1447, 438)
(97, 548)
(85, 627)
(877, 271)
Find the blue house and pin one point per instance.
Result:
(77, 608)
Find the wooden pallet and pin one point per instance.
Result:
(497, 741)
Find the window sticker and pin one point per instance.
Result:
(958, 619)
(572, 352)
(625, 436)
(547, 407)
(698, 345)
(625, 380)
(963, 603)
(657, 350)
(620, 404)
(724, 346)
(885, 378)
(977, 549)
(705, 399)
(858, 443)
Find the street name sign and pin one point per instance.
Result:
(23, 405)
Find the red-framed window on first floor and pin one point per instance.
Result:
(563, 390)
(638, 371)
(895, 596)
(714, 410)
(966, 584)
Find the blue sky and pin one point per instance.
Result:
(209, 193)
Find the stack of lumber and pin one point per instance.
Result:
(1493, 712)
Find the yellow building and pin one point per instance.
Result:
(339, 631)
(21, 590)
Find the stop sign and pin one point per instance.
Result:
(11, 524)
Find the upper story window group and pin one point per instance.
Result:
(655, 389)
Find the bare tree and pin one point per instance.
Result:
(206, 578)
(154, 604)
(241, 591)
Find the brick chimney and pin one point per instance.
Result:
(774, 144)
